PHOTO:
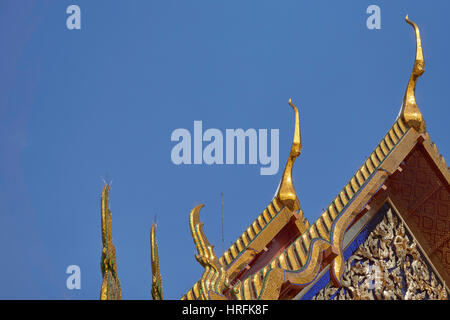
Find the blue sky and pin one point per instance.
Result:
(77, 106)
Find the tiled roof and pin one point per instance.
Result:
(298, 255)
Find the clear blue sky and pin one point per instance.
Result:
(76, 106)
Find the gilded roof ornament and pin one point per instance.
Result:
(410, 113)
(286, 192)
(206, 255)
(214, 279)
(110, 289)
(157, 292)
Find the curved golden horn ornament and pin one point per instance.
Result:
(157, 292)
(214, 279)
(410, 112)
(206, 255)
(286, 193)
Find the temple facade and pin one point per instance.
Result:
(386, 235)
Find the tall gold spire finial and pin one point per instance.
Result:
(410, 113)
(111, 289)
(286, 192)
(157, 292)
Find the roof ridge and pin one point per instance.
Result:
(255, 228)
(298, 254)
(324, 222)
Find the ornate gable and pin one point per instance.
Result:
(384, 262)
(281, 256)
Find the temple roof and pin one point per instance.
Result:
(319, 246)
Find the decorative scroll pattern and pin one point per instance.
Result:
(388, 265)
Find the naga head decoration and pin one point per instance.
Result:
(214, 279)
(206, 255)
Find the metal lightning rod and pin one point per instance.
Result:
(223, 241)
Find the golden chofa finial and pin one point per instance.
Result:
(157, 292)
(410, 113)
(286, 192)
